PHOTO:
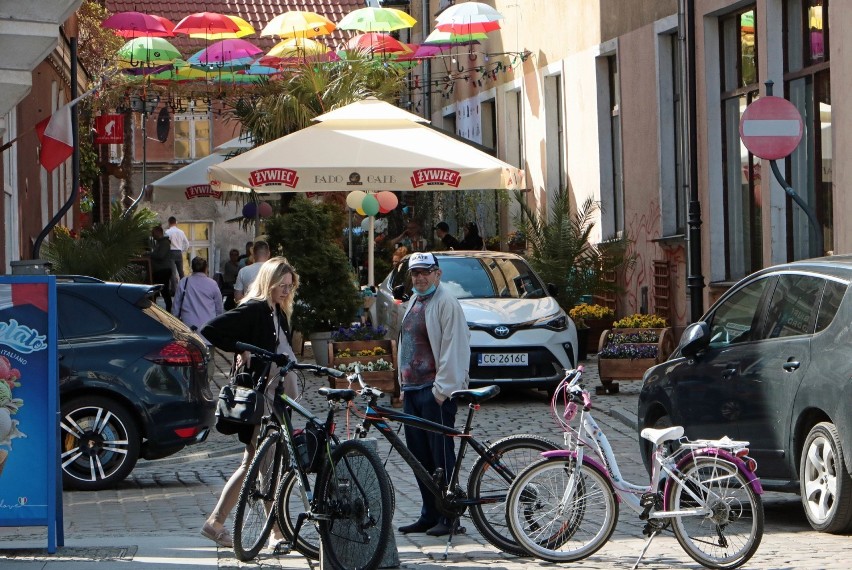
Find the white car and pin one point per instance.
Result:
(519, 334)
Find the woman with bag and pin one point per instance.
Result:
(198, 298)
(261, 319)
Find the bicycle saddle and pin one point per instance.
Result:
(476, 396)
(658, 436)
(338, 394)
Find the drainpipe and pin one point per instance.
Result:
(694, 280)
(427, 63)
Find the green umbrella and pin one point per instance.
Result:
(147, 52)
(376, 20)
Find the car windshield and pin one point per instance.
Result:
(489, 278)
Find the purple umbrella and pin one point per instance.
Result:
(228, 50)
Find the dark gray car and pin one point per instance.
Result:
(771, 363)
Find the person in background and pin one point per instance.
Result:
(434, 360)
(162, 264)
(230, 269)
(179, 244)
(263, 319)
(260, 253)
(471, 239)
(198, 298)
(410, 237)
(442, 230)
(245, 259)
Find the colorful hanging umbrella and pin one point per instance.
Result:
(376, 42)
(147, 52)
(225, 51)
(298, 48)
(179, 72)
(376, 20)
(299, 24)
(137, 24)
(469, 27)
(437, 37)
(469, 12)
(206, 25)
(245, 29)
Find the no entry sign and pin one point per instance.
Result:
(771, 128)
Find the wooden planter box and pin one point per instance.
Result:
(384, 380)
(610, 369)
(596, 327)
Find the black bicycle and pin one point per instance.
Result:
(344, 494)
(490, 477)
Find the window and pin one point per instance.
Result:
(830, 304)
(734, 319)
(555, 137)
(807, 84)
(672, 136)
(69, 309)
(743, 222)
(192, 131)
(792, 309)
(198, 234)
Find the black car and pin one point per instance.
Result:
(771, 363)
(134, 381)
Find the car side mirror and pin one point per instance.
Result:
(400, 294)
(695, 338)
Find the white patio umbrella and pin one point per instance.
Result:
(370, 146)
(190, 182)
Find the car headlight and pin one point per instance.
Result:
(555, 322)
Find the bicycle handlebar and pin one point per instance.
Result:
(284, 361)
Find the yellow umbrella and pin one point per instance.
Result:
(298, 47)
(246, 29)
(299, 24)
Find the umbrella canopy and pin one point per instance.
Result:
(469, 27)
(370, 146)
(376, 20)
(190, 182)
(376, 42)
(298, 48)
(437, 37)
(136, 24)
(469, 12)
(147, 52)
(206, 25)
(225, 51)
(298, 24)
(245, 29)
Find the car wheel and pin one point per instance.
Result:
(646, 448)
(100, 443)
(826, 487)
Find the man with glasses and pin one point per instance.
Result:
(434, 358)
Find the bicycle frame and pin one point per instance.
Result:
(378, 416)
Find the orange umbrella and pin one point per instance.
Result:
(246, 29)
(206, 25)
(298, 24)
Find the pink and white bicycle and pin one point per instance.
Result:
(564, 507)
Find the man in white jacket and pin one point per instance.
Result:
(434, 360)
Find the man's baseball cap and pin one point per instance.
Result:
(422, 260)
(443, 226)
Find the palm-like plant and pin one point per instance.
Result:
(560, 250)
(105, 250)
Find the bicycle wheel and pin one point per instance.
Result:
(559, 513)
(255, 514)
(731, 533)
(356, 512)
(487, 483)
(289, 504)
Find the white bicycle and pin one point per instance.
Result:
(564, 507)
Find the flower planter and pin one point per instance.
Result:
(627, 368)
(384, 380)
(582, 344)
(596, 327)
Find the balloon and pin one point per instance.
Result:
(370, 205)
(265, 209)
(249, 210)
(360, 211)
(354, 199)
(387, 201)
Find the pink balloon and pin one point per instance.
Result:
(387, 201)
(265, 209)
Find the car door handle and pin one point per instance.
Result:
(791, 365)
(728, 373)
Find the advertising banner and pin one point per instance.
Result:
(29, 458)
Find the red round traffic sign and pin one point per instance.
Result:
(771, 128)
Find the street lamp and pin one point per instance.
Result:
(145, 102)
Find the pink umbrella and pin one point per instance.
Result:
(137, 24)
(228, 50)
(206, 24)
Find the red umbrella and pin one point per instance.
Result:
(376, 42)
(469, 27)
(136, 24)
(206, 24)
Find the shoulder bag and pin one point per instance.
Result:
(241, 401)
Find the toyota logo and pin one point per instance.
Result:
(502, 330)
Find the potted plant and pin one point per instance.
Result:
(327, 298)
(378, 373)
(591, 320)
(634, 344)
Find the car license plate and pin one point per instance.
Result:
(504, 359)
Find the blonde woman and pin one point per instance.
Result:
(263, 319)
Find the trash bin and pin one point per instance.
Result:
(30, 267)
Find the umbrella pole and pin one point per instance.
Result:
(371, 250)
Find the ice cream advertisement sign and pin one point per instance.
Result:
(28, 402)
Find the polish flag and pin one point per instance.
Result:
(56, 138)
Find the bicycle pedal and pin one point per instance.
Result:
(281, 548)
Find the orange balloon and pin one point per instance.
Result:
(387, 201)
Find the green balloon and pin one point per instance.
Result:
(370, 205)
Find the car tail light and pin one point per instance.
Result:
(187, 433)
(178, 353)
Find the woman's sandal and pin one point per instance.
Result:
(221, 537)
(279, 546)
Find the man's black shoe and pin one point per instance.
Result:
(419, 526)
(443, 529)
